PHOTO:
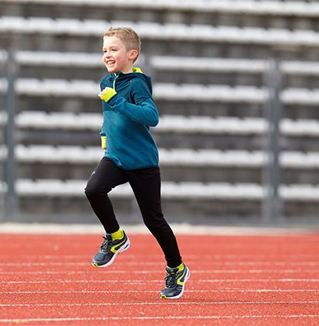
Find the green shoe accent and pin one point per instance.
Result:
(180, 267)
(110, 248)
(175, 282)
(117, 235)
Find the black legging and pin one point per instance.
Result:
(146, 185)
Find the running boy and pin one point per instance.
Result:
(130, 156)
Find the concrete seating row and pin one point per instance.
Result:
(156, 31)
(263, 7)
(168, 157)
(166, 91)
(175, 63)
(168, 124)
(170, 191)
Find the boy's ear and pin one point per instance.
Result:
(133, 55)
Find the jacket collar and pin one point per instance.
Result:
(135, 70)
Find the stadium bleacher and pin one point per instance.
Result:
(157, 31)
(207, 59)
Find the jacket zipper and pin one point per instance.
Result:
(114, 81)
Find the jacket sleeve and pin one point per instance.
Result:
(144, 110)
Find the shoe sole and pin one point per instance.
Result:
(182, 292)
(125, 246)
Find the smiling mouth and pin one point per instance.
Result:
(110, 63)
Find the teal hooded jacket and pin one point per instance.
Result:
(127, 118)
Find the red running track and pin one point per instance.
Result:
(235, 280)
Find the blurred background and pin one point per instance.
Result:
(236, 85)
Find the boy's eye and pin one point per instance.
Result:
(110, 50)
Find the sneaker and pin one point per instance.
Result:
(175, 282)
(109, 250)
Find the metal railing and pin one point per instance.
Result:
(9, 195)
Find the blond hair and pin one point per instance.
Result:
(128, 37)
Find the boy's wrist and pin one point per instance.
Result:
(103, 140)
(107, 94)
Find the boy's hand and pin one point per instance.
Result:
(103, 92)
(107, 94)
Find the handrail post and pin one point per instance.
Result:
(272, 203)
(10, 134)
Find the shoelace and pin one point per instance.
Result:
(171, 278)
(107, 243)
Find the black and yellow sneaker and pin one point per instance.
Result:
(175, 282)
(110, 248)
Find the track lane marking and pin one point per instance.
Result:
(187, 256)
(152, 291)
(158, 303)
(236, 280)
(27, 320)
(212, 263)
(224, 271)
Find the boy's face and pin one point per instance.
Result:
(115, 55)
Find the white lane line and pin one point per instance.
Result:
(28, 320)
(158, 303)
(211, 263)
(189, 262)
(213, 271)
(188, 256)
(235, 280)
(63, 281)
(108, 272)
(205, 259)
(313, 280)
(78, 292)
(36, 264)
(270, 263)
(152, 291)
